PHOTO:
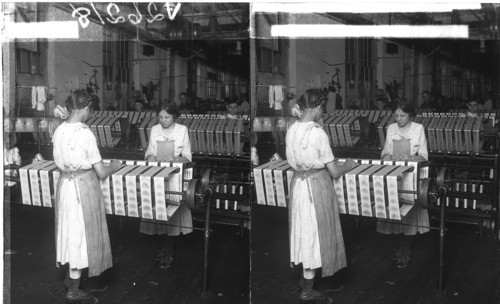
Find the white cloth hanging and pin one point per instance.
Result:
(10, 157)
(40, 106)
(278, 97)
(271, 96)
(34, 101)
(40, 97)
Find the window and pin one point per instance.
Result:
(270, 56)
(23, 61)
(350, 66)
(123, 67)
(115, 56)
(366, 60)
(456, 83)
(107, 56)
(28, 61)
(265, 60)
(115, 66)
(35, 63)
(224, 88)
(359, 63)
(211, 84)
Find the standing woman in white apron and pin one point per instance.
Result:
(82, 238)
(410, 139)
(314, 225)
(169, 142)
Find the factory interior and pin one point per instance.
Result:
(234, 90)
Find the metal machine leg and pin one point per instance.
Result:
(441, 247)
(207, 239)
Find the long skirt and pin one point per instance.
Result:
(180, 223)
(82, 237)
(314, 225)
(416, 221)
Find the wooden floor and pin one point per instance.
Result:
(472, 265)
(135, 276)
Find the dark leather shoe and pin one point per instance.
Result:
(397, 254)
(315, 297)
(80, 297)
(96, 284)
(403, 261)
(91, 285)
(336, 288)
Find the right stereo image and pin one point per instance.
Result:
(375, 153)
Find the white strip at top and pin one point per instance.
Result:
(34, 30)
(373, 31)
(365, 7)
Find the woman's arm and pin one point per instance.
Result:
(150, 154)
(326, 155)
(386, 156)
(412, 158)
(186, 146)
(151, 158)
(423, 154)
(387, 151)
(181, 159)
(337, 170)
(103, 171)
(94, 156)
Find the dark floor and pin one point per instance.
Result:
(472, 264)
(135, 276)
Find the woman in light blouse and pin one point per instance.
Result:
(411, 137)
(169, 142)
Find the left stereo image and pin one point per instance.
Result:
(127, 147)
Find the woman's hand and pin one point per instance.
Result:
(175, 159)
(104, 170)
(349, 163)
(181, 159)
(405, 157)
(168, 159)
(336, 169)
(151, 158)
(387, 157)
(115, 164)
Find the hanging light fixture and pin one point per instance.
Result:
(239, 51)
(482, 45)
